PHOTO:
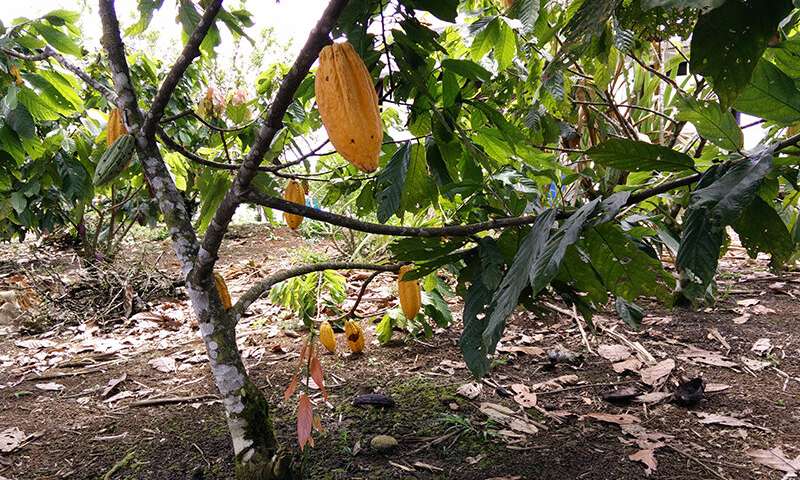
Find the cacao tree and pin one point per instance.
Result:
(529, 148)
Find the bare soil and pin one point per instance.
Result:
(52, 385)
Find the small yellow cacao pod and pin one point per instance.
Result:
(354, 335)
(348, 105)
(14, 71)
(294, 193)
(409, 293)
(222, 290)
(115, 127)
(326, 337)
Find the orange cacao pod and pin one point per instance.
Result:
(14, 71)
(222, 290)
(355, 336)
(409, 293)
(326, 337)
(294, 193)
(115, 127)
(348, 105)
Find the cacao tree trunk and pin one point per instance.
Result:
(258, 454)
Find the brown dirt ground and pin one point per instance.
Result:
(78, 435)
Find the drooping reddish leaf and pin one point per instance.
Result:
(316, 373)
(305, 420)
(291, 388)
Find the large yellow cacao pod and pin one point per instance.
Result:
(294, 193)
(14, 71)
(326, 337)
(409, 293)
(355, 336)
(348, 105)
(115, 127)
(222, 290)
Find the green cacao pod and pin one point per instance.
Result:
(114, 160)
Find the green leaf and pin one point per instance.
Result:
(419, 189)
(413, 249)
(492, 263)
(213, 186)
(505, 298)
(718, 202)
(58, 39)
(577, 273)
(713, 123)
(787, 56)
(146, 10)
(681, 4)
(629, 312)
(771, 95)
(19, 202)
(626, 270)
(443, 9)
(21, 121)
(476, 313)
(761, 229)
(436, 308)
(384, 329)
(467, 69)
(392, 178)
(728, 42)
(505, 47)
(635, 156)
(9, 142)
(62, 16)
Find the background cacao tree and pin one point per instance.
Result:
(531, 148)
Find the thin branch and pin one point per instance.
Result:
(192, 113)
(190, 51)
(361, 292)
(263, 286)
(48, 52)
(625, 105)
(318, 38)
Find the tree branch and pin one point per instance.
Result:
(318, 38)
(361, 292)
(156, 173)
(263, 286)
(48, 52)
(190, 51)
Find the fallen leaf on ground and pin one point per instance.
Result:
(762, 347)
(623, 394)
(761, 310)
(50, 387)
(775, 459)
(714, 334)
(748, 302)
(620, 419)
(716, 387)
(525, 350)
(496, 412)
(754, 365)
(630, 365)
(742, 319)
(163, 364)
(652, 397)
(112, 384)
(470, 390)
(10, 438)
(523, 426)
(657, 374)
(724, 420)
(614, 353)
(526, 399)
(707, 357)
(647, 457)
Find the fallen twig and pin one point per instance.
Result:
(152, 402)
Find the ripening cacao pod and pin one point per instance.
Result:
(409, 293)
(14, 71)
(115, 127)
(354, 335)
(114, 160)
(222, 290)
(294, 193)
(348, 105)
(326, 337)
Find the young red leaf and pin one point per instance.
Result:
(291, 388)
(316, 374)
(305, 420)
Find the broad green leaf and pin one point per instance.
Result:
(505, 47)
(419, 189)
(62, 16)
(212, 187)
(728, 42)
(36, 105)
(475, 316)
(492, 263)
(719, 201)
(629, 312)
(58, 39)
(505, 298)
(414, 249)
(713, 123)
(467, 69)
(21, 121)
(577, 273)
(146, 10)
(681, 4)
(625, 269)
(635, 156)
(9, 142)
(18, 201)
(786, 56)
(771, 95)
(391, 180)
(384, 329)
(443, 9)
(761, 229)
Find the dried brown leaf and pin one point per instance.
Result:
(657, 374)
